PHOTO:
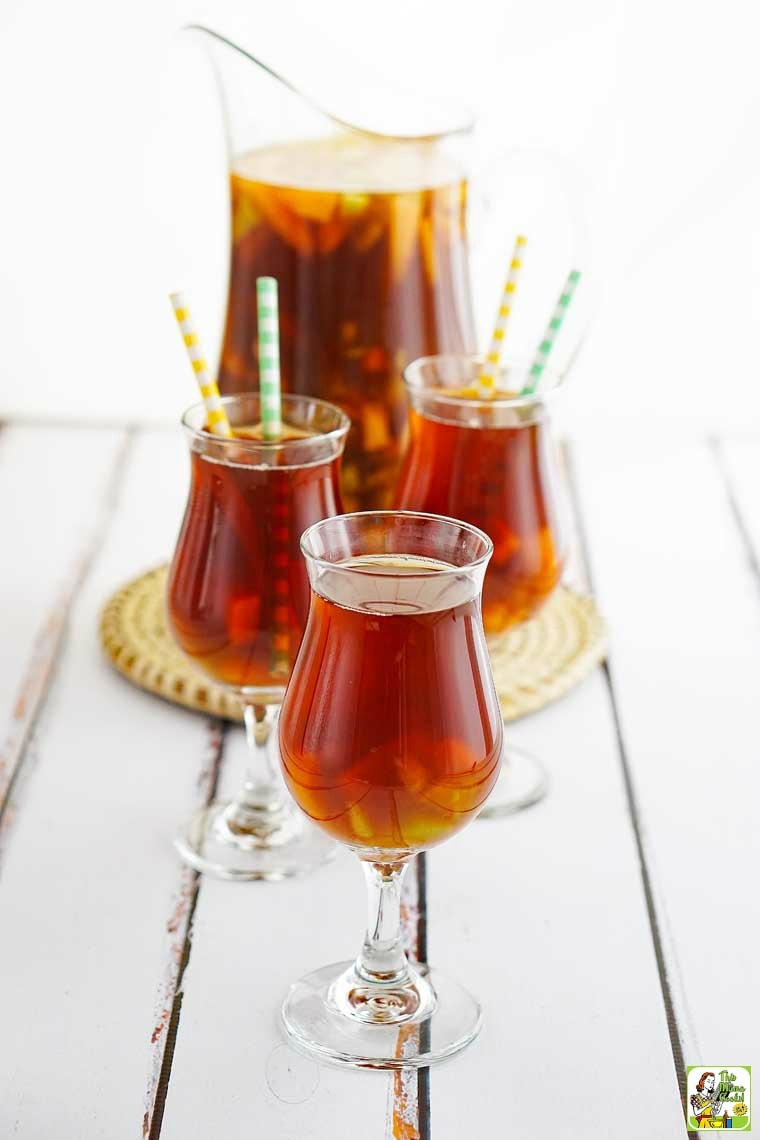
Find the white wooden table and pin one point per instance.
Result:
(610, 931)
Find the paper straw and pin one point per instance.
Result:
(271, 428)
(487, 378)
(216, 416)
(269, 358)
(550, 336)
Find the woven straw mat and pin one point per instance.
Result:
(533, 664)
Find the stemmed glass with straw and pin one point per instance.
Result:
(481, 451)
(264, 467)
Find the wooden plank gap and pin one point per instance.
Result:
(674, 1032)
(179, 927)
(671, 1018)
(408, 1116)
(423, 1075)
(40, 668)
(751, 554)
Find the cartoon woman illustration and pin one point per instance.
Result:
(706, 1104)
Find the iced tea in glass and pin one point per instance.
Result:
(238, 598)
(421, 758)
(390, 740)
(490, 462)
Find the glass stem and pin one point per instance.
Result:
(382, 958)
(260, 796)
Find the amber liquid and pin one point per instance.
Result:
(390, 732)
(501, 480)
(371, 275)
(238, 589)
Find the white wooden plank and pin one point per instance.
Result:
(553, 930)
(117, 770)
(179, 930)
(88, 872)
(54, 487)
(89, 876)
(586, 989)
(250, 942)
(596, 997)
(672, 570)
(543, 915)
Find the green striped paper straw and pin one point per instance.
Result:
(550, 336)
(269, 358)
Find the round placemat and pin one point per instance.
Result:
(532, 664)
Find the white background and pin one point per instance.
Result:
(655, 106)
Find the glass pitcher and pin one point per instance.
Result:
(366, 232)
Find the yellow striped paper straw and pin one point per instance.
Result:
(216, 416)
(550, 336)
(490, 371)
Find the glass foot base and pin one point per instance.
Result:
(212, 843)
(523, 782)
(317, 1027)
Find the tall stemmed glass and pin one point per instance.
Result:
(492, 462)
(390, 737)
(238, 597)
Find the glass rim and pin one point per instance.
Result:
(426, 515)
(411, 376)
(267, 446)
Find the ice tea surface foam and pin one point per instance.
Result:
(349, 164)
(391, 584)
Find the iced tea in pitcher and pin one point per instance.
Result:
(367, 240)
